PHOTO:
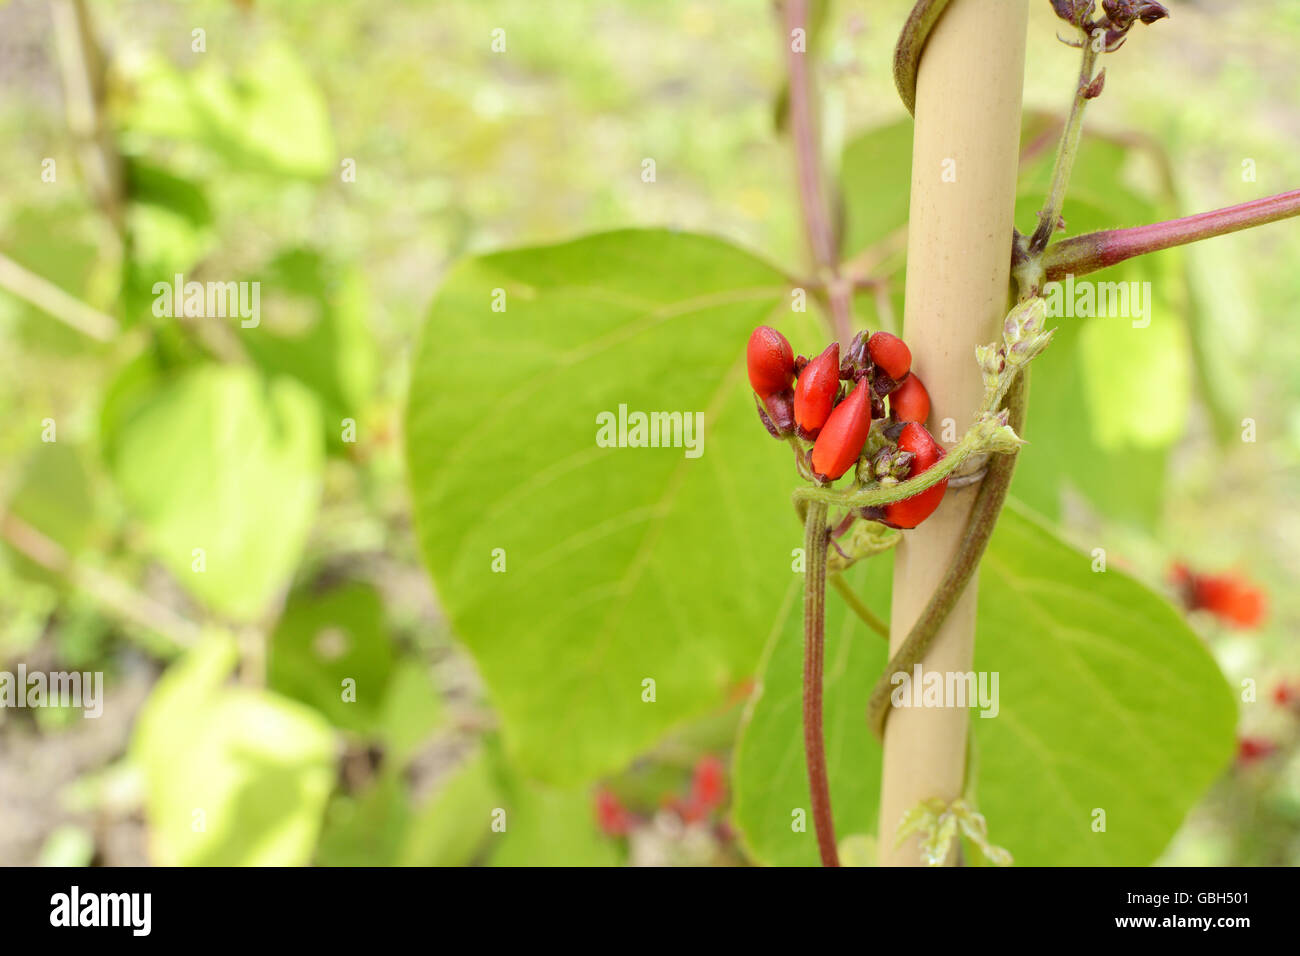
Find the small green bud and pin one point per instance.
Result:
(1025, 333)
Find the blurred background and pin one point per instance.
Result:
(344, 154)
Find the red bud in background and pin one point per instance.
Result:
(1228, 596)
(709, 785)
(1286, 695)
(1251, 749)
(611, 816)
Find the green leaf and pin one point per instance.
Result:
(548, 827)
(67, 845)
(218, 460)
(769, 773)
(54, 497)
(1108, 400)
(314, 328)
(366, 829)
(1126, 481)
(452, 826)
(170, 221)
(269, 118)
(622, 564)
(1107, 700)
(233, 776)
(877, 181)
(59, 243)
(323, 641)
(1226, 331)
(412, 710)
(1138, 380)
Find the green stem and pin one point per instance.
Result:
(111, 594)
(858, 607)
(1065, 154)
(979, 528)
(814, 654)
(969, 446)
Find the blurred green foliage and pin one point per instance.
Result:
(276, 450)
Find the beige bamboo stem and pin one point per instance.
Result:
(968, 101)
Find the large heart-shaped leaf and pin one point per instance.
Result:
(613, 565)
(224, 470)
(1107, 701)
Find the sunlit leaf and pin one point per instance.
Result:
(1106, 701)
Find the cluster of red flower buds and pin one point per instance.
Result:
(708, 793)
(840, 407)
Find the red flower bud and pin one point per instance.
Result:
(1229, 597)
(891, 354)
(709, 785)
(611, 816)
(910, 402)
(814, 393)
(689, 809)
(1285, 695)
(910, 512)
(1251, 749)
(771, 361)
(841, 440)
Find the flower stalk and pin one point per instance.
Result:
(814, 663)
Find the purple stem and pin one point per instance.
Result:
(808, 164)
(1097, 250)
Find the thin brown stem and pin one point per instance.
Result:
(813, 196)
(108, 592)
(53, 301)
(814, 653)
(1097, 250)
(82, 67)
